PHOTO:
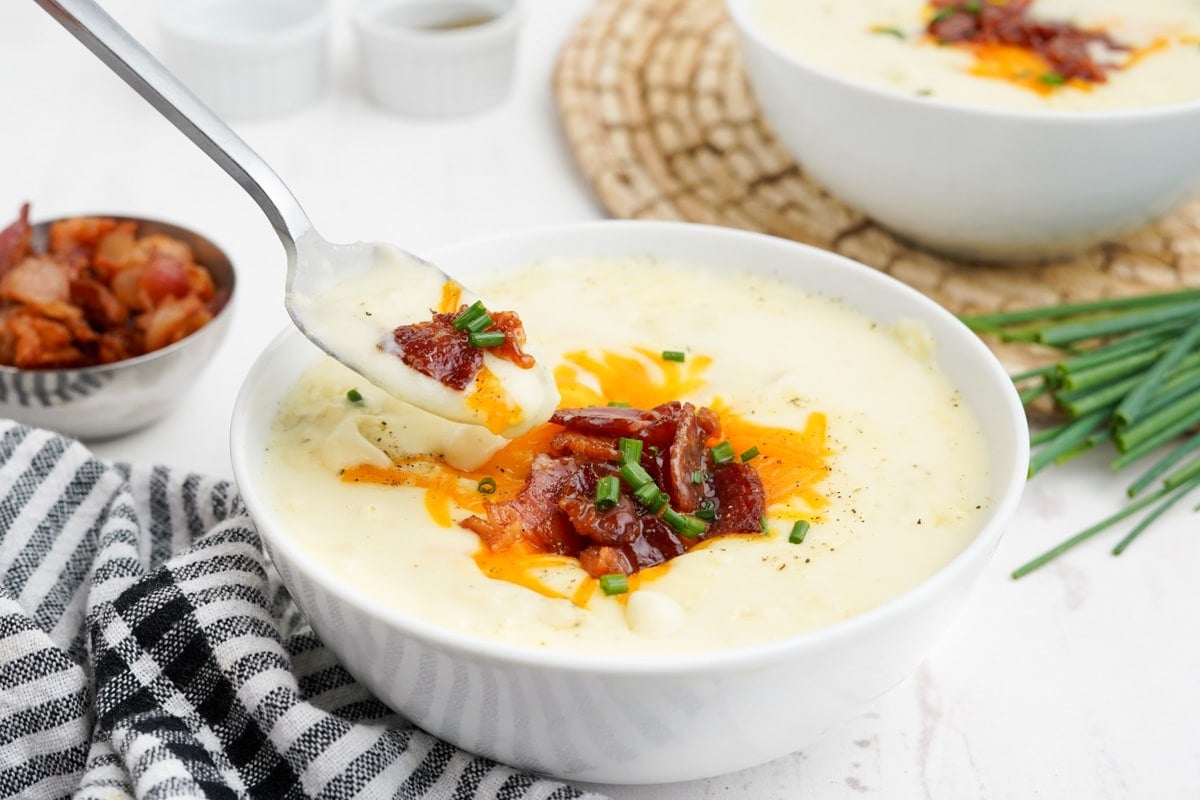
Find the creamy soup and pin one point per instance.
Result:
(857, 432)
(885, 42)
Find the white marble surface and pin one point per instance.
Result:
(1082, 680)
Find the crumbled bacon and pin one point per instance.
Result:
(438, 350)
(99, 294)
(556, 511)
(1069, 50)
(15, 240)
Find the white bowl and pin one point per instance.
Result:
(437, 57)
(248, 59)
(983, 183)
(109, 400)
(644, 720)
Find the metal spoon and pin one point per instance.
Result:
(345, 298)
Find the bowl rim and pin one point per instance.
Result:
(739, 13)
(96, 369)
(508, 15)
(755, 655)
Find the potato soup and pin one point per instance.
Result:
(1148, 51)
(851, 427)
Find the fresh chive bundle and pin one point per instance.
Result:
(1129, 375)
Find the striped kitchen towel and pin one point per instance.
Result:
(148, 649)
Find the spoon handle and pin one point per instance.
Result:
(113, 45)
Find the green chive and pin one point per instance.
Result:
(944, 14)
(631, 450)
(684, 526)
(635, 475)
(974, 6)
(749, 454)
(651, 497)
(799, 531)
(721, 453)
(888, 30)
(1136, 400)
(697, 476)
(1120, 304)
(762, 523)
(1052, 79)
(614, 583)
(354, 396)
(608, 491)
(473, 319)
(1154, 514)
(486, 486)
(618, 404)
(673, 355)
(486, 339)
(706, 514)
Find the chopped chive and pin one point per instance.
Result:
(608, 491)
(974, 6)
(799, 531)
(888, 30)
(762, 523)
(697, 476)
(486, 338)
(749, 454)
(474, 318)
(706, 514)
(635, 475)
(631, 450)
(486, 486)
(1052, 79)
(944, 14)
(651, 497)
(688, 528)
(618, 404)
(614, 583)
(354, 396)
(673, 355)
(721, 453)
(692, 528)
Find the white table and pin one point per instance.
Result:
(1082, 680)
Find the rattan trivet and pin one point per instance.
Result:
(662, 122)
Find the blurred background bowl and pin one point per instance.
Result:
(114, 399)
(642, 719)
(975, 182)
(248, 59)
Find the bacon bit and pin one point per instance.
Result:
(15, 241)
(559, 494)
(740, 497)
(99, 295)
(438, 350)
(1067, 50)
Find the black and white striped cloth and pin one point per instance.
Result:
(148, 649)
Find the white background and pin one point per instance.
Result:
(1082, 680)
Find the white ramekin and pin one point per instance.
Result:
(414, 60)
(248, 58)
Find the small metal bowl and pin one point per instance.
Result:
(114, 399)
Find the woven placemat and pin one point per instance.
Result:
(662, 122)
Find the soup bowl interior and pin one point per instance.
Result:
(643, 719)
(976, 182)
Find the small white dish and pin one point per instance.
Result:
(248, 59)
(437, 57)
